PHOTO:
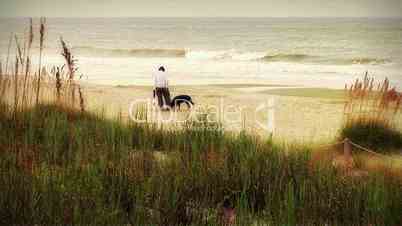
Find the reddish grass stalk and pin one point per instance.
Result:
(8, 53)
(81, 96)
(31, 34)
(58, 84)
(71, 66)
(2, 82)
(16, 84)
(24, 49)
(27, 69)
(19, 50)
(1, 79)
(365, 103)
(69, 58)
(1, 70)
(42, 39)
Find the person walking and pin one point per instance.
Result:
(161, 88)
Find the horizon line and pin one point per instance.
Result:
(208, 17)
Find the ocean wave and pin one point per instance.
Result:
(146, 52)
(287, 57)
(282, 57)
(228, 55)
(207, 55)
(304, 58)
(219, 55)
(367, 61)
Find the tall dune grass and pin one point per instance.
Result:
(25, 86)
(372, 102)
(63, 166)
(373, 113)
(41, 46)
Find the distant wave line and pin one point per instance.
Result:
(146, 52)
(231, 54)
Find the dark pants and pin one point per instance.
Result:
(163, 95)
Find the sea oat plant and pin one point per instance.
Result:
(41, 46)
(372, 113)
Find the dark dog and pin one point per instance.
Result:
(182, 99)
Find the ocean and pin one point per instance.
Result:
(309, 52)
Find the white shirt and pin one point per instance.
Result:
(160, 79)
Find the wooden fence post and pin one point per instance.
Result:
(347, 148)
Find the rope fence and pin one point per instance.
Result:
(366, 149)
(347, 144)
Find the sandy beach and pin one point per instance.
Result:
(300, 114)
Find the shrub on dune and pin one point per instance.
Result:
(372, 114)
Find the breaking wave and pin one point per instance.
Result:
(287, 57)
(303, 58)
(92, 51)
(228, 55)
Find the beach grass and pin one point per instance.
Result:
(371, 113)
(63, 166)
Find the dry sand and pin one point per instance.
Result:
(300, 114)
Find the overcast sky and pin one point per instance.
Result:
(201, 8)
